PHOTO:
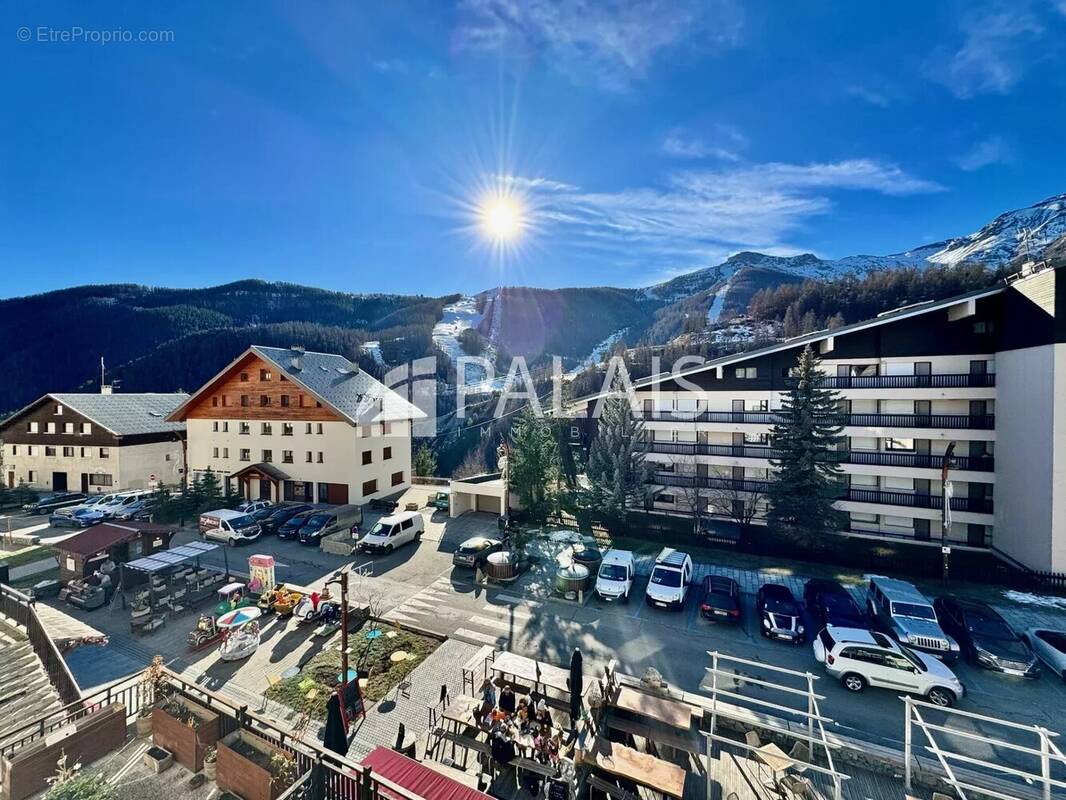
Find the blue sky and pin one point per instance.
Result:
(347, 145)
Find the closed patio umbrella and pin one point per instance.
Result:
(334, 737)
(576, 686)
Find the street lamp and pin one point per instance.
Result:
(945, 510)
(341, 578)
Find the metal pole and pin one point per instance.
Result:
(714, 716)
(810, 711)
(907, 743)
(1045, 763)
(945, 510)
(344, 630)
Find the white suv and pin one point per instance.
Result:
(670, 579)
(861, 658)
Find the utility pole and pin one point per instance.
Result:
(344, 630)
(945, 510)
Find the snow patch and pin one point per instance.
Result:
(1030, 599)
(374, 349)
(599, 352)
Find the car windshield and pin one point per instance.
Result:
(913, 658)
(317, 520)
(243, 521)
(989, 628)
(262, 514)
(914, 610)
(613, 572)
(839, 603)
(298, 519)
(786, 607)
(663, 576)
(378, 530)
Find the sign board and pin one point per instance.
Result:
(945, 550)
(260, 573)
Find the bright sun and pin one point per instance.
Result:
(502, 218)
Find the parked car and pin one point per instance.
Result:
(906, 615)
(473, 552)
(779, 614)
(91, 501)
(325, 522)
(381, 504)
(984, 637)
(859, 658)
(138, 509)
(251, 506)
(440, 501)
(721, 599)
(670, 579)
(832, 604)
(290, 529)
(51, 502)
(121, 501)
(614, 581)
(231, 527)
(392, 532)
(279, 515)
(1050, 647)
(82, 518)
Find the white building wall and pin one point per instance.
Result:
(128, 466)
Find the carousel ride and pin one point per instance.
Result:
(240, 633)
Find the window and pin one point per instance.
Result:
(892, 443)
(286, 429)
(369, 487)
(284, 401)
(244, 400)
(246, 455)
(307, 429)
(268, 456)
(59, 410)
(51, 427)
(166, 457)
(214, 401)
(31, 476)
(215, 453)
(266, 429)
(29, 450)
(31, 427)
(310, 457)
(283, 379)
(386, 454)
(364, 431)
(225, 401)
(318, 430)
(286, 456)
(14, 449)
(264, 374)
(301, 404)
(983, 326)
(86, 428)
(264, 400)
(368, 457)
(245, 428)
(665, 498)
(386, 428)
(244, 377)
(319, 457)
(397, 478)
(746, 372)
(225, 452)
(225, 426)
(99, 480)
(49, 451)
(68, 427)
(214, 426)
(318, 404)
(68, 452)
(105, 452)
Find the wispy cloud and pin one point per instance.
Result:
(387, 65)
(722, 142)
(874, 96)
(701, 214)
(993, 150)
(608, 44)
(997, 45)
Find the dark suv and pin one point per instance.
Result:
(984, 636)
(290, 529)
(832, 604)
(279, 516)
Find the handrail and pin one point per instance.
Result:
(20, 607)
(939, 381)
(871, 420)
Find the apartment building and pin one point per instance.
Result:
(94, 442)
(986, 371)
(285, 424)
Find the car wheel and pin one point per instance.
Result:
(853, 682)
(418, 537)
(938, 696)
(231, 542)
(388, 549)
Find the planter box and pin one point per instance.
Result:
(241, 776)
(186, 743)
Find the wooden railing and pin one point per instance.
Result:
(19, 607)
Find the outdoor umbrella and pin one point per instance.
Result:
(576, 687)
(333, 737)
(238, 617)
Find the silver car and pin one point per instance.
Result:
(902, 611)
(1049, 646)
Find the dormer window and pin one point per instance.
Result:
(264, 375)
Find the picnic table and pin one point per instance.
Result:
(663, 709)
(463, 711)
(642, 768)
(533, 673)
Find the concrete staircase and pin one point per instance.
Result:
(26, 693)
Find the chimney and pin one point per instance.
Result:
(296, 359)
(353, 368)
(105, 389)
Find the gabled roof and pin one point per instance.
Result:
(121, 414)
(333, 379)
(105, 535)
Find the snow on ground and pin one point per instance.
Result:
(599, 352)
(715, 309)
(456, 318)
(1030, 599)
(374, 348)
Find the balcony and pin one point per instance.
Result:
(977, 505)
(936, 421)
(708, 482)
(867, 457)
(964, 381)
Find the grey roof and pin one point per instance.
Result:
(340, 383)
(127, 414)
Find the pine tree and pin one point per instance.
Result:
(210, 491)
(425, 463)
(616, 470)
(533, 466)
(807, 476)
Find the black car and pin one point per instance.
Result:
(50, 502)
(832, 604)
(473, 552)
(290, 529)
(276, 517)
(721, 599)
(984, 637)
(316, 526)
(779, 614)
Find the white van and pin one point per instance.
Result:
(392, 532)
(670, 578)
(615, 578)
(231, 527)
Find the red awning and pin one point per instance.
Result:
(416, 778)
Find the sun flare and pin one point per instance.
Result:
(502, 218)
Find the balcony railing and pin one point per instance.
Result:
(964, 421)
(708, 482)
(964, 381)
(867, 457)
(978, 505)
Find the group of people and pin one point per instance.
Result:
(510, 716)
